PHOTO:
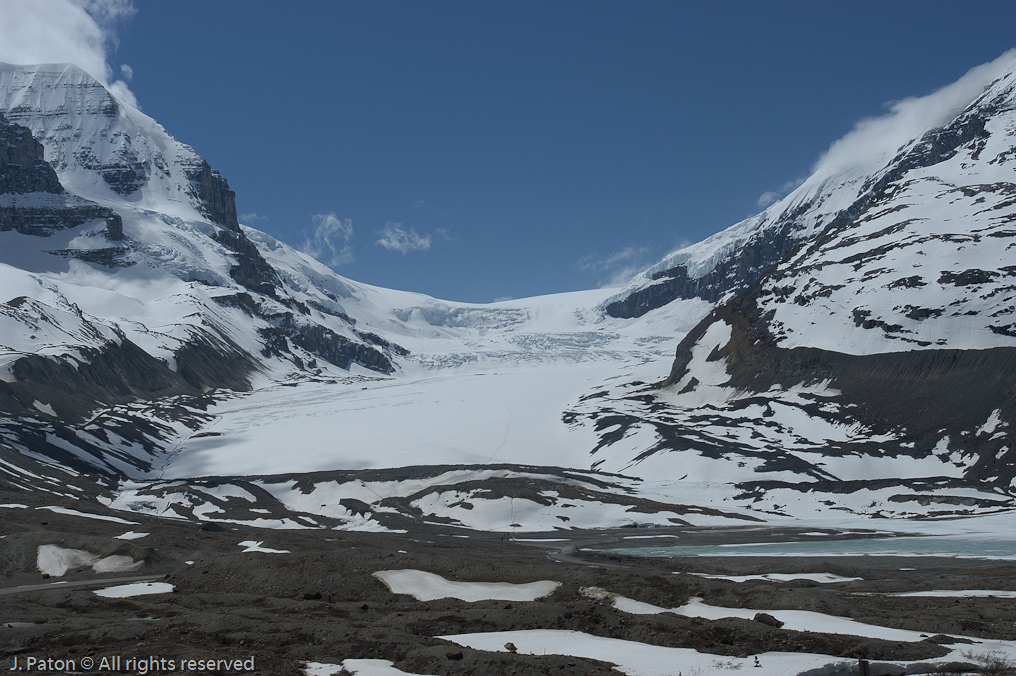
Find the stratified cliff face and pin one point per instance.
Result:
(217, 201)
(23, 166)
(32, 200)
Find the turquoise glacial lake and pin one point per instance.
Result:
(958, 546)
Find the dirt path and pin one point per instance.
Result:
(64, 584)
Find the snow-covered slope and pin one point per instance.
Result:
(847, 178)
(875, 359)
(129, 278)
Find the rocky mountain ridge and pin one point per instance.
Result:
(90, 180)
(875, 358)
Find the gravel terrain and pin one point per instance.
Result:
(319, 602)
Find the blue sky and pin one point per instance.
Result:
(480, 150)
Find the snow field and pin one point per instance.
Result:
(126, 591)
(354, 667)
(961, 593)
(634, 658)
(131, 535)
(252, 546)
(424, 586)
(640, 659)
(821, 578)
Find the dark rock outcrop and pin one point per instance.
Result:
(288, 329)
(218, 202)
(322, 342)
(23, 166)
(66, 211)
(251, 270)
(734, 272)
(125, 173)
(117, 374)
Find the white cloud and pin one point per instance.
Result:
(767, 198)
(329, 243)
(770, 196)
(875, 140)
(619, 267)
(65, 31)
(395, 238)
(251, 217)
(127, 72)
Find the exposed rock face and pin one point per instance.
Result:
(23, 166)
(251, 269)
(30, 215)
(732, 273)
(124, 172)
(103, 367)
(322, 342)
(289, 330)
(210, 187)
(117, 374)
(218, 203)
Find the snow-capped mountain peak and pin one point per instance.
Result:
(852, 172)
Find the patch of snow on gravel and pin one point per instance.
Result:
(425, 586)
(124, 591)
(252, 546)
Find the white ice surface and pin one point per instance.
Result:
(131, 535)
(424, 586)
(634, 658)
(252, 546)
(482, 385)
(126, 591)
(962, 593)
(641, 659)
(116, 563)
(100, 517)
(55, 560)
(822, 578)
(354, 667)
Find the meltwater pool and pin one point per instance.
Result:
(957, 546)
